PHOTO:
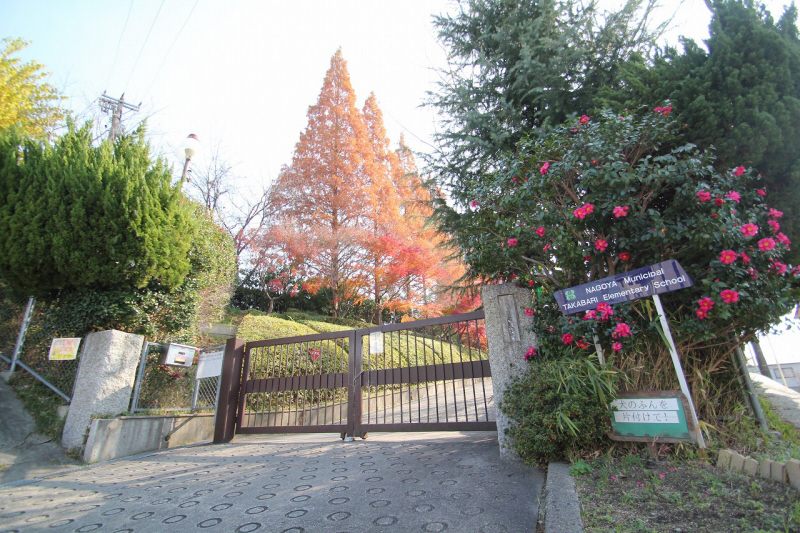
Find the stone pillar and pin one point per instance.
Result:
(509, 336)
(104, 383)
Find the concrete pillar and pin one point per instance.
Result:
(104, 384)
(508, 330)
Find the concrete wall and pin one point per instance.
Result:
(111, 438)
(104, 383)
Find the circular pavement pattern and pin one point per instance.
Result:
(391, 482)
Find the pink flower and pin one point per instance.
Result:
(774, 213)
(745, 258)
(567, 338)
(600, 244)
(624, 256)
(739, 171)
(761, 192)
(587, 257)
(616, 346)
(540, 231)
(613, 477)
(733, 195)
(749, 229)
(580, 213)
(620, 211)
(530, 353)
(546, 247)
(543, 169)
(529, 311)
(701, 313)
(705, 303)
(530, 283)
(589, 208)
(658, 109)
(728, 296)
(726, 257)
(584, 119)
(718, 201)
(512, 242)
(765, 245)
(473, 203)
(783, 239)
(582, 344)
(704, 196)
(779, 267)
(590, 315)
(666, 111)
(774, 224)
(623, 330)
(605, 310)
(662, 476)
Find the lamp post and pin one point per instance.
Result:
(190, 146)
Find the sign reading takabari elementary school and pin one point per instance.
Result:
(662, 277)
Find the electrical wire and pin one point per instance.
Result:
(114, 64)
(147, 92)
(143, 44)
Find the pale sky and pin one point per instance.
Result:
(244, 72)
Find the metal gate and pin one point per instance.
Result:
(427, 375)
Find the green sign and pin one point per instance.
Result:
(656, 416)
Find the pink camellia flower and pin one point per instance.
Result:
(605, 310)
(530, 353)
(621, 211)
(704, 196)
(600, 244)
(733, 195)
(584, 119)
(582, 344)
(580, 213)
(749, 229)
(774, 213)
(512, 242)
(666, 111)
(705, 303)
(543, 169)
(745, 258)
(783, 239)
(761, 192)
(590, 315)
(658, 109)
(616, 346)
(473, 203)
(589, 209)
(587, 257)
(719, 201)
(774, 224)
(567, 338)
(529, 311)
(726, 257)
(624, 256)
(739, 171)
(701, 313)
(779, 267)
(530, 283)
(540, 231)
(728, 296)
(623, 329)
(546, 247)
(765, 245)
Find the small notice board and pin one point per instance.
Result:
(651, 416)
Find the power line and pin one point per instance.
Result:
(147, 92)
(144, 43)
(114, 64)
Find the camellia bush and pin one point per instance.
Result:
(612, 193)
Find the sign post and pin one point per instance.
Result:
(652, 280)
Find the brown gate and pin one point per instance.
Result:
(428, 375)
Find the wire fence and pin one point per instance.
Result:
(164, 388)
(35, 348)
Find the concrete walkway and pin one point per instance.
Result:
(290, 483)
(785, 401)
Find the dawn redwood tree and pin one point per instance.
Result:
(320, 198)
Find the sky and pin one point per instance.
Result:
(241, 74)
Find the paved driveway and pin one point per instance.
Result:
(290, 483)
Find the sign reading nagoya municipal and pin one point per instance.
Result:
(662, 277)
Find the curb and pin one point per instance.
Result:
(562, 508)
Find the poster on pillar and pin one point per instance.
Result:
(666, 276)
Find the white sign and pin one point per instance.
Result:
(646, 404)
(647, 417)
(179, 355)
(209, 365)
(376, 342)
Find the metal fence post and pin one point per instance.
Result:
(23, 329)
(230, 384)
(195, 392)
(139, 377)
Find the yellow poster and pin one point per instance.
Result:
(64, 349)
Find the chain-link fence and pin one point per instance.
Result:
(34, 350)
(166, 388)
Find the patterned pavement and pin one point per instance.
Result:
(290, 483)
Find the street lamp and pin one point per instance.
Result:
(190, 147)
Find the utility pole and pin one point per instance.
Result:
(116, 106)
